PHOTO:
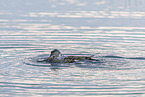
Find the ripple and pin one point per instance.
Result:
(39, 61)
(100, 63)
(115, 36)
(65, 89)
(136, 58)
(92, 14)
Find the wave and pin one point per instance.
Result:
(108, 62)
(136, 58)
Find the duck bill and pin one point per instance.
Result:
(49, 57)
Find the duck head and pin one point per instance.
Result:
(55, 54)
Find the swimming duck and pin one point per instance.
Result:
(57, 57)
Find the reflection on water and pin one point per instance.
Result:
(112, 31)
(89, 14)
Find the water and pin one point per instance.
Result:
(112, 31)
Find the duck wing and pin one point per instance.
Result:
(69, 59)
(78, 57)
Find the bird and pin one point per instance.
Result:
(57, 57)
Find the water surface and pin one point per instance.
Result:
(114, 35)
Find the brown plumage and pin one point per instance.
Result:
(57, 57)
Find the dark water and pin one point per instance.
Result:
(114, 32)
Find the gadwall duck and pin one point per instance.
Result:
(57, 57)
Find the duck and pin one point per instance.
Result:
(57, 57)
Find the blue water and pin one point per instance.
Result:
(114, 32)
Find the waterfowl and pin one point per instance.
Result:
(57, 57)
